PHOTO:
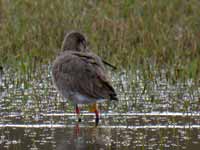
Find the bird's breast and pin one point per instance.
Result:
(78, 98)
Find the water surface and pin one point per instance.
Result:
(151, 114)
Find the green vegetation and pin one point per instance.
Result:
(129, 33)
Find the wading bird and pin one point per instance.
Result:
(80, 76)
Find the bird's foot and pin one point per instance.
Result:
(97, 117)
(78, 113)
(96, 121)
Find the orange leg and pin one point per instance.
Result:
(78, 113)
(94, 108)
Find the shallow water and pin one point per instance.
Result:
(156, 114)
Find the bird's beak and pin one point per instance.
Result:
(108, 64)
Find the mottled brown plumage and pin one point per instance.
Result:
(79, 75)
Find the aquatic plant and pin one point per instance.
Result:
(130, 34)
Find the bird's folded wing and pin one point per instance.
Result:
(87, 75)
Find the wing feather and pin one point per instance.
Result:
(85, 73)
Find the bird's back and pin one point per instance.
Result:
(82, 76)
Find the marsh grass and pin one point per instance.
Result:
(131, 34)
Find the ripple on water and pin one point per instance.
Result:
(150, 115)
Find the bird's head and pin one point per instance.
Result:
(74, 41)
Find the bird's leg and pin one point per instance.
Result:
(78, 113)
(97, 117)
(94, 109)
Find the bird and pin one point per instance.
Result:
(79, 75)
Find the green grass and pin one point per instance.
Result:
(131, 34)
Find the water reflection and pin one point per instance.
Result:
(155, 114)
(78, 126)
(103, 137)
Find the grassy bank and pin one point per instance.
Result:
(130, 33)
